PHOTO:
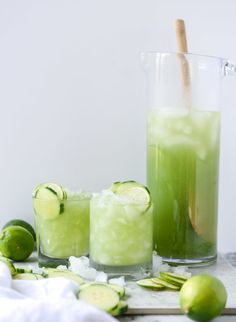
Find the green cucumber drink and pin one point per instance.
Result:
(62, 224)
(121, 230)
(183, 162)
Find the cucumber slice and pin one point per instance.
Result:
(114, 186)
(54, 272)
(121, 308)
(100, 295)
(48, 202)
(54, 187)
(166, 284)
(176, 276)
(150, 284)
(23, 270)
(27, 276)
(138, 194)
(118, 288)
(172, 279)
(10, 265)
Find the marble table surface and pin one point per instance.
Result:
(150, 306)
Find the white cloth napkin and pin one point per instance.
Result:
(47, 300)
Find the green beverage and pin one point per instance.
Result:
(121, 230)
(183, 162)
(62, 224)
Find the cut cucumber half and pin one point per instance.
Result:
(100, 295)
(10, 265)
(54, 272)
(150, 284)
(121, 308)
(27, 276)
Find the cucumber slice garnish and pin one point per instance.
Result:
(121, 308)
(10, 265)
(100, 295)
(54, 272)
(115, 185)
(138, 196)
(54, 187)
(27, 276)
(48, 199)
(150, 284)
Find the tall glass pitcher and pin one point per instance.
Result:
(183, 136)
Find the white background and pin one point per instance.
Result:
(72, 93)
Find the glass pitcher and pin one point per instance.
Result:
(183, 146)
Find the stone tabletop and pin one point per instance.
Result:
(151, 306)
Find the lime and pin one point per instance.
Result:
(16, 243)
(22, 223)
(203, 297)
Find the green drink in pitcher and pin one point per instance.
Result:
(183, 149)
(183, 162)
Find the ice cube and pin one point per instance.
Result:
(101, 277)
(118, 281)
(157, 264)
(182, 270)
(81, 267)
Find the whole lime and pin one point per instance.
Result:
(16, 243)
(203, 297)
(22, 223)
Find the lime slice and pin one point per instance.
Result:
(47, 200)
(22, 223)
(16, 243)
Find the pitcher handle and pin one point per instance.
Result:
(229, 68)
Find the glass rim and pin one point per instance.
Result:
(74, 199)
(122, 204)
(189, 54)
